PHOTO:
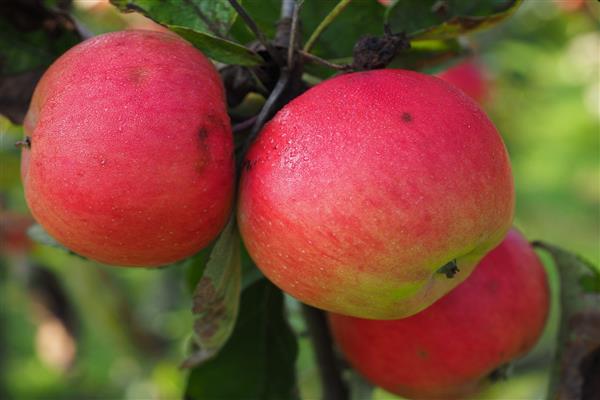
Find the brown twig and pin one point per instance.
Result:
(333, 386)
(249, 21)
(321, 61)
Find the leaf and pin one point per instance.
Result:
(218, 49)
(359, 18)
(38, 234)
(265, 13)
(427, 54)
(216, 297)
(209, 16)
(32, 37)
(579, 334)
(258, 362)
(446, 19)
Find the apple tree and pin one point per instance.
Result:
(308, 168)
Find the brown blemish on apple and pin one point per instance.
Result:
(406, 117)
(138, 75)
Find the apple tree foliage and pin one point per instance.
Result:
(243, 344)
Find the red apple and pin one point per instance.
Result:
(361, 194)
(447, 350)
(131, 159)
(469, 77)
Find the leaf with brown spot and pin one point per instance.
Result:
(215, 300)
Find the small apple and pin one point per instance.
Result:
(447, 350)
(129, 156)
(469, 77)
(375, 193)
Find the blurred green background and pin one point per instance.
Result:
(101, 332)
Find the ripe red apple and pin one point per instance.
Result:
(447, 350)
(131, 159)
(469, 77)
(362, 194)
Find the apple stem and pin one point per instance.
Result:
(450, 269)
(333, 386)
(24, 143)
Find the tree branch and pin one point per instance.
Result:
(334, 388)
(293, 34)
(249, 21)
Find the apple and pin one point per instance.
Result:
(375, 193)
(129, 156)
(447, 350)
(469, 77)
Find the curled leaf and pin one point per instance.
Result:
(216, 297)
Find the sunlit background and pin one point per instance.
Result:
(72, 329)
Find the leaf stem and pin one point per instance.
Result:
(249, 21)
(325, 23)
(329, 64)
(333, 386)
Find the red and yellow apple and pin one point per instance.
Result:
(447, 350)
(131, 153)
(364, 194)
(469, 77)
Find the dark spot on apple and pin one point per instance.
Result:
(422, 353)
(216, 121)
(138, 75)
(492, 286)
(450, 269)
(406, 117)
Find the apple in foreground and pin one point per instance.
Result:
(447, 350)
(129, 154)
(375, 193)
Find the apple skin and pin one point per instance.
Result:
(469, 77)
(447, 350)
(131, 158)
(360, 189)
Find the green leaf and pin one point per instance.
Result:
(359, 18)
(194, 267)
(258, 361)
(38, 234)
(25, 49)
(265, 13)
(446, 19)
(218, 49)
(216, 297)
(209, 16)
(428, 54)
